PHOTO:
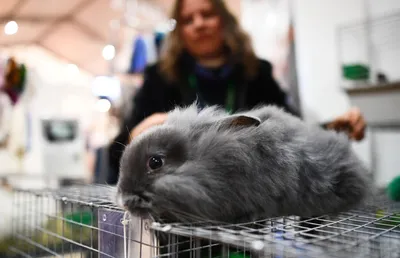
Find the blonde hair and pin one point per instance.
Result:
(236, 41)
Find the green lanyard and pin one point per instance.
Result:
(230, 96)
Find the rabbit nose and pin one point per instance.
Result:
(135, 201)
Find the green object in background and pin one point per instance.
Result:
(393, 192)
(234, 255)
(389, 221)
(356, 72)
(81, 217)
(58, 226)
(393, 189)
(22, 81)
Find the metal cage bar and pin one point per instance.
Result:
(83, 221)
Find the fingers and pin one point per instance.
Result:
(355, 116)
(343, 120)
(359, 131)
(359, 126)
(341, 123)
(352, 123)
(159, 118)
(153, 120)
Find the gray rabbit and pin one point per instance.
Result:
(211, 166)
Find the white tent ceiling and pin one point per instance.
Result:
(73, 30)
(76, 31)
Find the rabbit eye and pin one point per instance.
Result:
(155, 162)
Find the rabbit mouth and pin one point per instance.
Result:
(136, 203)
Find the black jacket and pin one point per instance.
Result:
(158, 95)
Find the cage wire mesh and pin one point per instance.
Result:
(83, 221)
(369, 48)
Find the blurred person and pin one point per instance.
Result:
(210, 58)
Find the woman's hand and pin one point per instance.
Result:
(155, 119)
(352, 122)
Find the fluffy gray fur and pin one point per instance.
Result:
(272, 165)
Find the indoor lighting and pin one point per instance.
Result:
(73, 69)
(103, 105)
(11, 28)
(109, 52)
(105, 86)
(171, 24)
(166, 26)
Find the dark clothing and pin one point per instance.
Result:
(158, 95)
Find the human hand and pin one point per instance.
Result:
(152, 120)
(352, 122)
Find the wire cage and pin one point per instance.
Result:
(368, 51)
(83, 221)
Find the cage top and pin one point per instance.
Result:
(94, 195)
(370, 231)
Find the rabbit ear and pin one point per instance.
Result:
(240, 120)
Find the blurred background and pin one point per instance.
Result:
(70, 68)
